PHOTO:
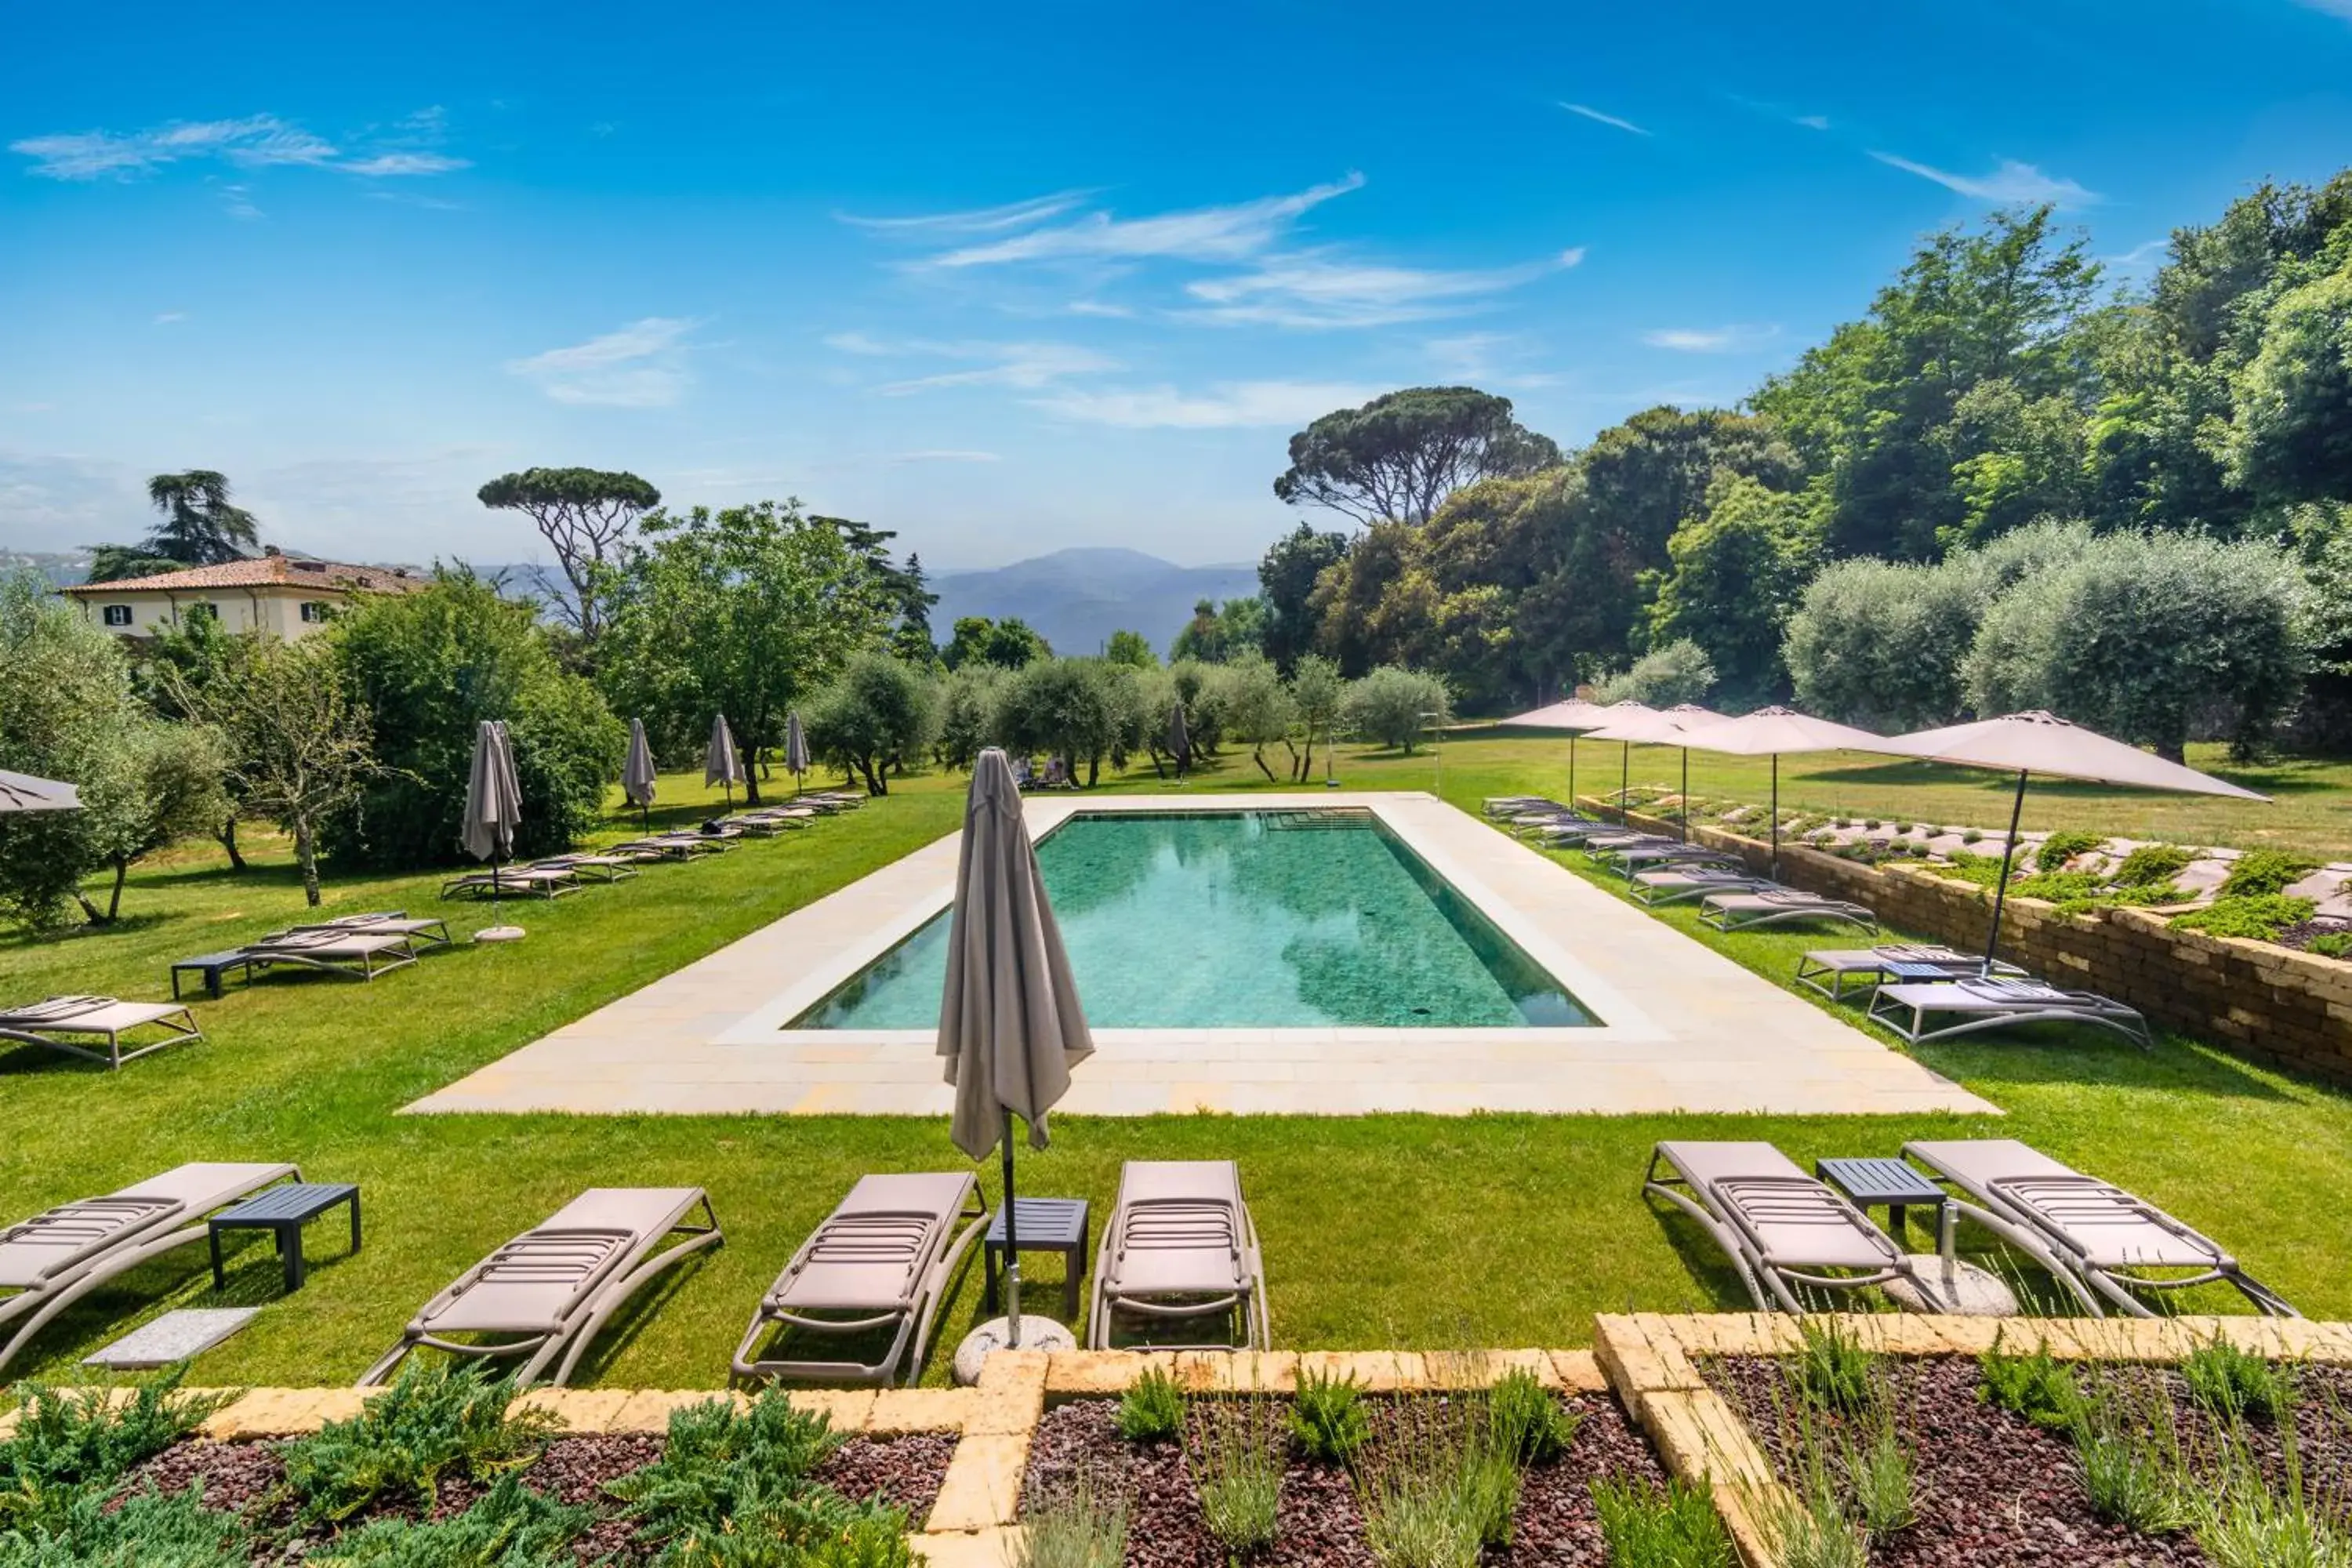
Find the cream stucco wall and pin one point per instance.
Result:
(276, 610)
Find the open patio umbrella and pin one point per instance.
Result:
(721, 765)
(1010, 1022)
(1180, 740)
(796, 751)
(22, 791)
(493, 808)
(1778, 732)
(1573, 715)
(637, 772)
(1655, 727)
(2039, 742)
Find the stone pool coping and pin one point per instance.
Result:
(1683, 1027)
(1649, 1360)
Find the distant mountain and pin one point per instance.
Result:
(63, 568)
(1077, 598)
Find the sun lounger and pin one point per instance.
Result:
(514, 883)
(94, 1018)
(1181, 1246)
(595, 867)
(2084, 1230)
(1673, 885)
(664, 847)
(1770, 906)
(361, 953)
(879, 1264)
(546, 1295)
(1620, 837)
(1828, 970)
(54, 1259)
(769, 823)
(391, 923)
(1782, 1229)
(1511, 805)
(1972, 1006)
(1651, 857)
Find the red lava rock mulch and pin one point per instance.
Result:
(905, 1470)
(1322, 1526)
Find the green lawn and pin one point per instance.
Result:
(1392, 1230)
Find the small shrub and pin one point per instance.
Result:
(1810, 1530)
(2331, 944)
(433, 1421)
(510, 1527)
(1834, 1371)
(2060, 887)
(1085, 1527)
(1882, 1478)
(69, 1442)
(148, 1530)
(1152, 1409)
(1328, 1419)
(2259, 873)
(1972, 836)
(2038, 1386)
(1645, 1527)
(2244, 1520)
(1901, 829)
(2065, 846)
(1527, 1424)
(1434, 1487)
(1235, 1457)
(2131, 1466)
(1870, 824)
(2232, 1382)
(1845, 822)
(2152, 864)
(721, 1463)
(2260, 917)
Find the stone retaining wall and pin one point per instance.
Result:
(2266, 1002)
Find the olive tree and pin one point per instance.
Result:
(1878, 644)
(878, 713)
(1257, 706)
(1074, 708)
(1395, 706)
(1678, 672)
(1316, 693)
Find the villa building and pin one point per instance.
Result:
(285, 595)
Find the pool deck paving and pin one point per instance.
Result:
(1683, 1027)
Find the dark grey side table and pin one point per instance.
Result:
(284, 1211)
(1894, 1185)
(1047, 1225)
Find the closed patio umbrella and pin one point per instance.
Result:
(637, 772)
(22, 791)
(1655, 727)
(1574, 715)
(1010, 1022)
(493, 808)
(1778, 732)
(796, 751)
(2040, 742)
(1180, 740)
(722, 764)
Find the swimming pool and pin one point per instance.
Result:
(1244, 919)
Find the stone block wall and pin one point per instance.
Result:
(2268, 1003)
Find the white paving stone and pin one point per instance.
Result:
(1683, 1027)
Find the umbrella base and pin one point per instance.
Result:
(1036, 1334)
(498, 933)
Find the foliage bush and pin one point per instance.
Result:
(145, 1530)
(1527, 1424)
(509, 1526)
(1678, 672)
(1152, 1409)
(429, 667)
(1084, 1526)
(1879, 645)
(434, 1421)
(2258, 918)
(2234, 1382)
(2149, 865)
(1834, 1371)
(2038, 1386)
(879, 716)
(1647, 1526)
(2330, 944)
(1328, 1419)
(1234, 1456)
(2258, 872)
(1389, 707)
(2065, 846)
(67, 1443)
(722, 1464)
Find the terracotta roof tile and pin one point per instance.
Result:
(264, 571)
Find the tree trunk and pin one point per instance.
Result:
(1306, 757)
(750, 786)
(1094, 770)
(227, 837)
(875, 784)
(1258, 756)
(114, 899)
(2172, 752)
(306, 855)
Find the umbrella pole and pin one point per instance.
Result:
(1572, 770)
(2000, 889)
(1011, 1248)
(1683, 809)
(1625, 786)
(1775, 816)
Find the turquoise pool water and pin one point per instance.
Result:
(1224, 919)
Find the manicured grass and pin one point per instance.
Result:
(1394, 1230)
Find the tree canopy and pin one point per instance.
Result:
(201, 526)
(584, 515)
(1403, 453)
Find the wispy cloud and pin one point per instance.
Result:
(2332, 7)
(1026, 366)
(978, 220)
(1733, 339)
(254, 142)
(2147, 252)
(1098, 307)
(1232, 233)
(1315, 290)
(1812, 122)
(164, 317)
(642, 365)
(2011, 182)
(1227, 404)
(1487, 359)
(1595, 115)
(942, 455)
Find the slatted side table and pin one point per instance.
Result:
(284, 1211)
(1878, 1181)
(1047, 1225)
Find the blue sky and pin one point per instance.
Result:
(1009, 278)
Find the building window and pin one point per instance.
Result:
(315, 610)
(117, 615)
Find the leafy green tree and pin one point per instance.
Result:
(904, 595)
(1133, 650)
(190, 656)
(428, 666)
(1257, 706)
(1403, 453)
(877, 715)
(2151, 637)
(1007, 643)
(1220, 631)
(1317, 691)
(201, 526)
(1878, 644)
(1664, 677)
(117, 563)
(1734, 580)
(67, 712)
(1347, 603)
(967, 713)
(1396, 707)
(2290, 439)
(1072, 709)
(1287, 575)
(585, 515)
(744, 612)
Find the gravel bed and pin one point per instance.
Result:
(1322, 1526)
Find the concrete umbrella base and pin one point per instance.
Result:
(1036, 1334)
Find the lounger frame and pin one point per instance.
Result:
(1653, 894)
(1772, 1286)
(1890, 1004)
(1249, 1303)
(1807, 907)
(359, 964)
(178, 1024)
